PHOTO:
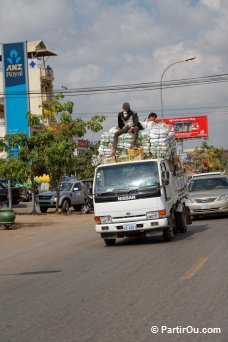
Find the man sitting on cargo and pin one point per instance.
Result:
(152, 117)
(128, 122)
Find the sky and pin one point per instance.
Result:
(114, 42)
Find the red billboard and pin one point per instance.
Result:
(82, 143)
(188, 127)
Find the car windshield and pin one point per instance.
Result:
(65, 186)
(126, 177)
(208, 184)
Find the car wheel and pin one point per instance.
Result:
(110, 242)
(181, 220)
(66, 206)
(168, 232)
(43, 209)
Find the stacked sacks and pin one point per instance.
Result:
(147, 125)
(162, 142)
(155, 140)
(105, 148)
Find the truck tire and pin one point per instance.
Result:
(43, 209)
(168, 232)
(66, 205)
(181, 220)
(110, 242)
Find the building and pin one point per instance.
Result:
(40, 81)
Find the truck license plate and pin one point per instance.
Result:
(205, 206)
(131, 226)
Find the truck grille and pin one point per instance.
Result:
(129, 216)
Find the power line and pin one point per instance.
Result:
(172, 112)
(149, 86)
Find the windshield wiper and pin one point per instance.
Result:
(106, 193)
(145, 187)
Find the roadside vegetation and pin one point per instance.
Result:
(214, 156)
(51, 149)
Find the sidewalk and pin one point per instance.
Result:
(25, 208)
(25, 218)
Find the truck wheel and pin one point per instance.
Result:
(43, 209)
(168, 232)
(66, 206)
(181, 220)
(110, 242)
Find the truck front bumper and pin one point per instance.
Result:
(147, 227)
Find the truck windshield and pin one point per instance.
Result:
(126, 177)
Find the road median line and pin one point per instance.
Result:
(194, 269)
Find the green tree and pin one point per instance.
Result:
(51, 149)
(86, 158)
(213, 155)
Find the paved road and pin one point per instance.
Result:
(59, 283)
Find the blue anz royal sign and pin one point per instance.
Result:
(15, 87)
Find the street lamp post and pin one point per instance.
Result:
(185, 60)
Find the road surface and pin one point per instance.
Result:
(58, 282)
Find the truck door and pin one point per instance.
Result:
(167, 187)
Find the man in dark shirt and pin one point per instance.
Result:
(128, 122)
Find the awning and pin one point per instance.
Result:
(36, 49)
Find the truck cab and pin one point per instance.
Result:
(143, 197)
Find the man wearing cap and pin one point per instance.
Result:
(128, 122)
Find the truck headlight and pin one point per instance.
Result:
(106, 219)
(152, 215)
(222, 198)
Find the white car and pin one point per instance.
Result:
(208, 194)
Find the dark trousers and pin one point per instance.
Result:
(123, 131)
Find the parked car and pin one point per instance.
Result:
(73, 193)
(3, 195)
(196, 175)
(89, 183)
(15, 191)
(208, 195)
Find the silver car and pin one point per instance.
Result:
(208, 194)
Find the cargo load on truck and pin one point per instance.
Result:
(142, 191)
(154, 141)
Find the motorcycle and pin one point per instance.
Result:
(88, 206)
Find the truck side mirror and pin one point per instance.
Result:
(165, 177)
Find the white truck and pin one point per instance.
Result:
(142, 197)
